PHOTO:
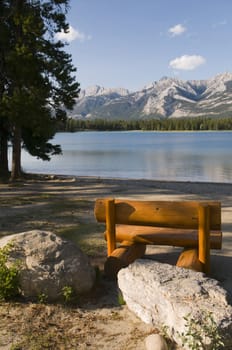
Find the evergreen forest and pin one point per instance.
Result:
(172, 124)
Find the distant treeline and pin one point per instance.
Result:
(181, 124)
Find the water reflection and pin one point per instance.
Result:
(150, 155)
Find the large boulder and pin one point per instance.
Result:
(178, 300)
(49, 263)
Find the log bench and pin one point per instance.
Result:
(132, 224)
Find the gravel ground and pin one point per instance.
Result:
(64, 205)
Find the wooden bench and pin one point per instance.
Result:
(195, 226)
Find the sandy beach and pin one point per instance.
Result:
(64, 205)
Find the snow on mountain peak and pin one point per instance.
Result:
(223, 76)
(168, 97)
(97, 90)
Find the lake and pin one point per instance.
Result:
(177, 156)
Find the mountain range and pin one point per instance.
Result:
(166, 98)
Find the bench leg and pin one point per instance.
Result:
(110, 226)
(121, 257)
(204, 237)
(189, 259)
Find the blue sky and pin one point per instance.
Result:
(130, 43)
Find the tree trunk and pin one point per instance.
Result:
(4, 169)
(16, 154)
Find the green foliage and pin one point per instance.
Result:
(68, 294)
(199, 335)
(37, 82)
(164, 332)
(42, 298)
(9, 275)
(172, 124)
(16, 347)
(121, 300)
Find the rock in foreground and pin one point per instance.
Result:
(48, 264)
(155, 342)
(164, 295)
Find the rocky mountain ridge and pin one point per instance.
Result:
(166, 98)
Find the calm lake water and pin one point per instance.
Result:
(178, 156)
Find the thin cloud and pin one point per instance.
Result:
(72, 34)
(176, 30)
(221, 23)
(187, 62)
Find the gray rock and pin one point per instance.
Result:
(48, 264)
(163, 295)
(155, 342)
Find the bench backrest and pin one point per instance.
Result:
(203, 216)
(173, 214)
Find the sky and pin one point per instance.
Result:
(131, 43)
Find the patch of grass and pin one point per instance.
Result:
(80, 230)
(70, 232)
(121, 300)
(69, 295)
(42, 298)
(92, 246)
(9, 275)
(87, 236)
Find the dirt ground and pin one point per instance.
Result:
(64, 205)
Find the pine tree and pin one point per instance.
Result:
(39, 83)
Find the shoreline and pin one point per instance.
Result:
(191, 187)
(156, 131)
(105, 178)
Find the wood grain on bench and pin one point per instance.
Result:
(194, 225)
